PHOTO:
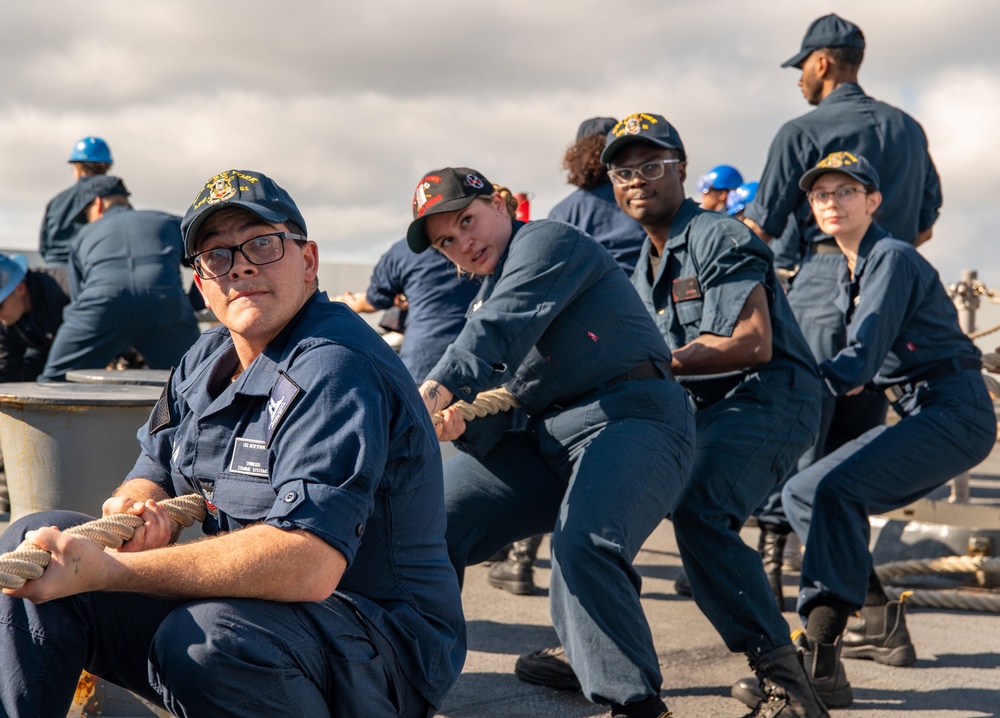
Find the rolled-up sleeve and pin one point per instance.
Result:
(732, 262)
(329, 453)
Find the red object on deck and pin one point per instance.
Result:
(523, 207)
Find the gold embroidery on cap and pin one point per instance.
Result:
(634, 124)
(837, 159)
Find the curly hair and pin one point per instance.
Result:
(583, 162)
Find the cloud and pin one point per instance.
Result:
(346, 105)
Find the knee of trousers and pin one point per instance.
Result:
(193, 642)
(580, 554)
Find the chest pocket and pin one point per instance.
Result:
(246, 499)
(689, 312)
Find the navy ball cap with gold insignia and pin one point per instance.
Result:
(827, 31)
(445, 190)
(641, 127)
(239, 188)
(852, 165)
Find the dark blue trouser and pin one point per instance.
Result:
(948, 427)
(600, 475)
(222, 657)
(746, 443)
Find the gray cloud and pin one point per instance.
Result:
(347, 104)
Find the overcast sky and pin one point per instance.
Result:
(346, 105)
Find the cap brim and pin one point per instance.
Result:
(810, 177)
(797, 60)
(265, 213)
(611, 150)
(416, 237)
(21, 263)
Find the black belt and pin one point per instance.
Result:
(825, 246)
(936, 371)
(649, 369)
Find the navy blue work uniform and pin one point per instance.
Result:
(438, 299)
(126, 291)
(604, 456)
(597, 213)
(287, 443)
(896, 146)
(24, 346)
(902, 334)
(63, 220)
(752, 425)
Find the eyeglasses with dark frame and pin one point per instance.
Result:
(840, 195)
(265, 249)
(651, 170)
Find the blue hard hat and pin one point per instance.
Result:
(12, 271)
(91, 149)
(740, 197)
(720, 177)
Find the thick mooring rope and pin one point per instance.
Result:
(961, 599)
(487, 403)
(28, 562)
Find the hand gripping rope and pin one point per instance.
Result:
(487, 403)
(28, 562)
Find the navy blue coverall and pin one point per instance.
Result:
(752, 425)
(902, 332)
(438, 299)
(895, 144)
(126, 291)
(324, 432)
(604, 455)
(597, 213)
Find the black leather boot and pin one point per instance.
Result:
(515, 573)
(785, 690)
(822, 666)
(772, 550)
(880, 635)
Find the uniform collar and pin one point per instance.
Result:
(259, 377)
(847, 91)
(116, 209)
(677, 236)
(874, 234)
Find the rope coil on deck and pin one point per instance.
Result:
(28, 562)
(959, 599)
(947, 564)
(485, 404)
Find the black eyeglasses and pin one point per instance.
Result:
(647, 170)
(265, 249)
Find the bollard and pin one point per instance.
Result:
(69, 446)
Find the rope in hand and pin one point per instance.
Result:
(487, 403)
(28, 562)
